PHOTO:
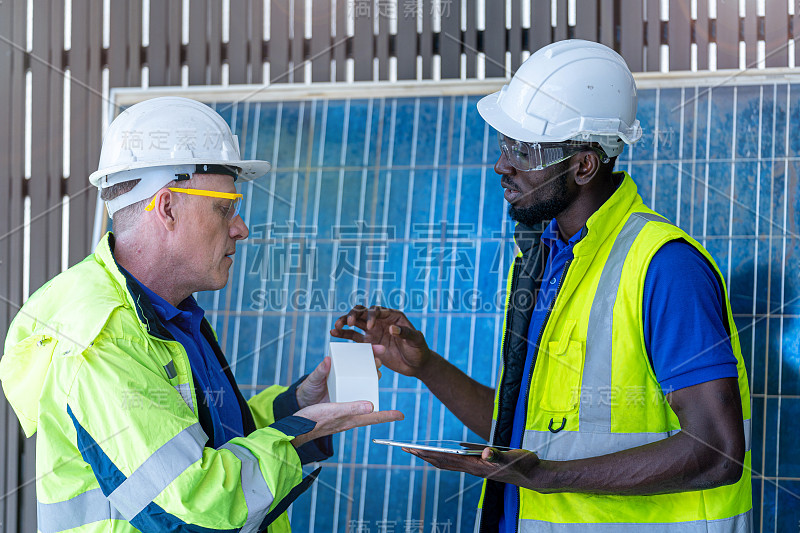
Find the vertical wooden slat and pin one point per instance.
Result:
(79, 109)
(117, 47)
(255, 32)
(362, 42)
(12, 95)
(406, 43)
(385, 13)
(298, 39)
(540, 33)
(173, 51)
(340, 49)
(606, 22)
(631, 42)
(796, 35)
(7, 54)
(494, 44)
(562, 22)
(450, 39)
(652, 60)
(471, 41)
(750, 34)
(515, 35)
(133, 50)
(702, 34)
(279, 40)
(426, 41)
(156, 53)
(776, 34)
(586, 21)
(237, 45)
(197, 49)
(214, 41)
(321, 41)
(727, 35)
(679, 38)
(85, 115)
(55, 126)
(39, 183)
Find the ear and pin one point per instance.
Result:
(164, 209)
(588, 167)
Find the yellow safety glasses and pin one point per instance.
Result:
(233, 208)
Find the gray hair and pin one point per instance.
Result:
(128, 217)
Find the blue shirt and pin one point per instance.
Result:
(183, 322)
(680, 291)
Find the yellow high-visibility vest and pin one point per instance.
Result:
(593, 391)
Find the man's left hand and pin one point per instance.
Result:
(516, 466)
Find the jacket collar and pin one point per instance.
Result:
(134, 295)
(526, 237)
(598, 228)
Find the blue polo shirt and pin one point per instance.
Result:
(183, 322)
(681, 291)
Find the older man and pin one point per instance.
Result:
(141, 425)
(623, 385)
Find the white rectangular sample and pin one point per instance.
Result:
(353, 374)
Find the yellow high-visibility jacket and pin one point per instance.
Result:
(120, 443)
(592, 390)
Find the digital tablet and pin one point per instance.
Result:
(445, 446)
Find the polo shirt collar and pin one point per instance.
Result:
(552, 240)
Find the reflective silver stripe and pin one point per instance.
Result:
(491, 433)
(158, 471)
(186, 393)
(569, 445)
(742, 523)
(652, 217)
(478, 516)
(596, 416)
(257, 495)
(91, 506)
(748, 431)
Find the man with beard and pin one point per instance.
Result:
(623, 391)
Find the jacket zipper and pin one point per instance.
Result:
(533, 362)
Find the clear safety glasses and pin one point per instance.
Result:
(231, 210)
(527, 156)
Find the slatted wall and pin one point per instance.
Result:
(58, 61)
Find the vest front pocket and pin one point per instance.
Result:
(558, 374)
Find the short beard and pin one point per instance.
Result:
(548, 209)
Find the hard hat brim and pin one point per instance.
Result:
(250, 170)
(494, 115)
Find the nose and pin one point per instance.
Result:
(503, 167)
(238, 229)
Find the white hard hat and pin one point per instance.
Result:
(570, 89)
(157, 139)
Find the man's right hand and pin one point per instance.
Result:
(337, 417)
(394, 340)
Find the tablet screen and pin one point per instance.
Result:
(445, 446)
